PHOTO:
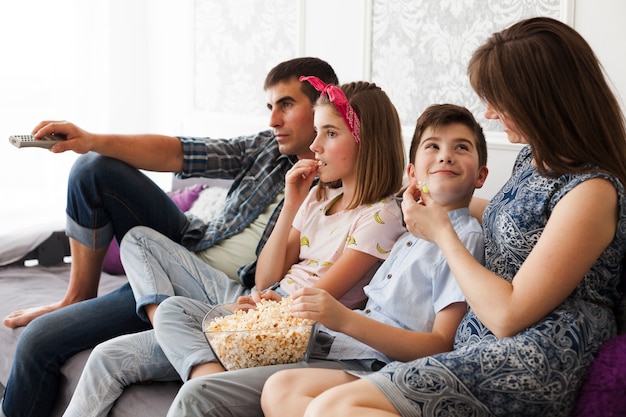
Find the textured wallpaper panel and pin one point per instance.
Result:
(419, 51)
(236, 44)
(420, 48)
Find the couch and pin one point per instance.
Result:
(35, 271)
(602, 394)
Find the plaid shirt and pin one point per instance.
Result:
(258, 170)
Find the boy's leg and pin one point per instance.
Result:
(293, 389)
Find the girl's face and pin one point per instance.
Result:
(334, 146)
(509, 127)
(447, 161)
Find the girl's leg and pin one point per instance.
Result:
(114, 365)
(158, 268)
(178, 327)
(294, 389)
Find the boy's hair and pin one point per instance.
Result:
(297, 67)
(438, 115)
(380, 160)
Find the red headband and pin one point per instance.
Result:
(339, 99)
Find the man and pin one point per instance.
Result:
(104, 202)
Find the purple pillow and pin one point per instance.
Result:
(183, 198)
(602, 392)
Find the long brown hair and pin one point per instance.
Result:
(380, 159)
(546, 78)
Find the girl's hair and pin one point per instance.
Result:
(545, 77)
(380, 159)
(440, 115)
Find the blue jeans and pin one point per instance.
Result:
(106, 198)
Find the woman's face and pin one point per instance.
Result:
(509, 127)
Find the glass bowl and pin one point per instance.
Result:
(260, 344)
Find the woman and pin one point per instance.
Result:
(555, 237)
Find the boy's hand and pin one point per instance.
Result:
(318, 305)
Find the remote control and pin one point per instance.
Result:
(26, 141)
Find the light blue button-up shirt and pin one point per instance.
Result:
(411, 287)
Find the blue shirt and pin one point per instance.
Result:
(257, 169)
(411, 287)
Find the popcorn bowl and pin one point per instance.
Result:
(264, 340)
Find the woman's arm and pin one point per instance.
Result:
(581, 226)
(477, 208)
(397, 343)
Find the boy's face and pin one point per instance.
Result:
(446, 160)
(291, 118)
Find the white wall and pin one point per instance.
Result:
(347, 46)
(119, 66)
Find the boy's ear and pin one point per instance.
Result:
(410, 171)
(482, 176)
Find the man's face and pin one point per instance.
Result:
(291, 118)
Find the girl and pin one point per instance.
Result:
(555, 238)
(333, 237)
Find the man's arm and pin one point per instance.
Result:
(150, 152)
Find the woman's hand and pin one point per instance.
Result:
(318, 305)
(423, 217)
(298, 181)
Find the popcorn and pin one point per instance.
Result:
(268, 335)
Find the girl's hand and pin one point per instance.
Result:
(318, 305)
(423, 217)
(246, 302)
(298, 181)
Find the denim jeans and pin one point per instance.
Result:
(106, 198)
(50, 340)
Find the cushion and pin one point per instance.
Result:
(184, 199)
(602, 392)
